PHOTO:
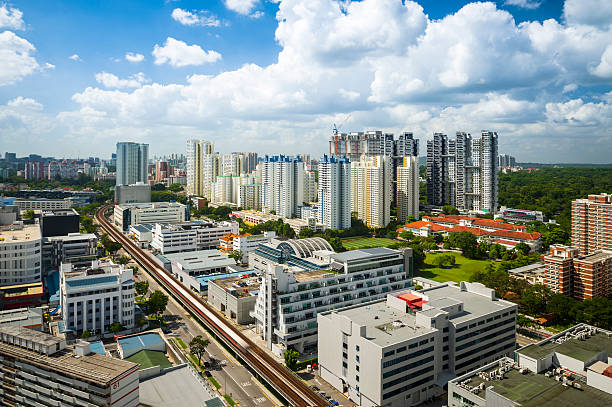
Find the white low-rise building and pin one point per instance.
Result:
(290, 297)
(182, 237)
(245, 243)
(20, 254)
(402, 350)
(76, 248)
(93, 298)
(188, 267)
(126, 215)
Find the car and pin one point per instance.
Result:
(322, 393)
(206, 364)
(315, 388)
(207, 373)
(334, 402)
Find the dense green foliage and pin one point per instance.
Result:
(291, 358)
(551, 190)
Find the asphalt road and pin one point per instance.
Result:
(238, 382)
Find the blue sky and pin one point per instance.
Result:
(273, 76)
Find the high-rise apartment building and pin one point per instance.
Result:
(197, 153)
(506, 161)
(592, 223)
(463, 172)
(310, 187)
(408, 188)
(163, 169)
(335, 192)
(132, 163)
(282, 185)
(371, 189)
(580, 276)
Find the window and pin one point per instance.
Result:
(357, 348)
(356, 378)
(357, 367)
(357, 358)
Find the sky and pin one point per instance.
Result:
(274, 76)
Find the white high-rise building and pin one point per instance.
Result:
(132, 161)
(197, 150)
(310, 187)
(408, 189)
(20, 254)
(371, 189)
(282, 190)
(335, 192)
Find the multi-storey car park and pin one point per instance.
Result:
(402, 350)
(290, 387)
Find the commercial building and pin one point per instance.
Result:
(197, 235)
(59, 222)
(290, 297)
(571, 368)
(28, 317)
(371, 190)
(282, 185)
(21, 295)
(580, 276)
(335, 192)
(188, 267)
(136, 193)
(408, 189)
(41, 370)
(44, 204)
(235, 296)
(125, 215)
(75, 248)
(132, 163)
(402, 350)
(293, 252)
(20, 254)
(463, 172)
(196, 151)
(94, 297)
(592, 223)
(519, 215)
(245, 243)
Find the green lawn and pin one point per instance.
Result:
(150, 358)
(461, 271)
(366, 242)
(180, 341)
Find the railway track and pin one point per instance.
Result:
(295, 391)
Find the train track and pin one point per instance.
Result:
(294, 390)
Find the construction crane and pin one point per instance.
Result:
(337, 128)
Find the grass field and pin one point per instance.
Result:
(149, 358)
(353, 243)
(461, 271)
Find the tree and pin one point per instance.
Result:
(157, 302)
(86, 334)
(466, 242)
(522, 320)
(450, 210)
(236, 255)
(291, 358)
(158, 187)
(336, 244)
(175, 188)
(522, 248)
(141, 287)
(306, 232)
(115, 327)
(418, 257)
(29, 214)
(123, 260)
(197, 346)
(406, 235)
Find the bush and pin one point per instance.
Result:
(302, 365)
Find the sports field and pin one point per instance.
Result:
(353, 243)
(149, 358)
(461, 271)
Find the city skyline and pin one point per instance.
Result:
(264, 76)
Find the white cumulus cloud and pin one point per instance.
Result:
(588, 12)
(196, 17)
(17, 59)
(244, 7)
(11, 18)
(75, 57)
(528, 4)
(178, 54)
(25, 103)
(134, 57)
(109, 80)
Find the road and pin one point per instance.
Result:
(239, 382)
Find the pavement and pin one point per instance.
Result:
(235, 379)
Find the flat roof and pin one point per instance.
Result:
(203, 280)
(597, 256)
(201, 259)
(537, 390)
(140, 341)
(531, 268)
(243, 286)
(363, 254)
(177, 387)
(19, 234)
(147, 358)
(582, 350)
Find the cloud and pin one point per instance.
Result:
(244, 7)
(257, 14)
(109, 80)
(588, 12)
(75, 57)
(196, 17)
(604, 69)
(178, 54)
(11, 18)
(25, 103)
(528, 4)
(16, 56)
(569, 88)
(133, 57)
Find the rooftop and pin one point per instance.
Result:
(531, 268)
(537, 390)
(149, 358)
(203, 280)
(19, 233)
(200, 259)
(594, 257)
(140, 341)
(360, 254)
(583, 350)
(176, 387)
(243, 286)
(303, 276)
